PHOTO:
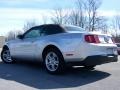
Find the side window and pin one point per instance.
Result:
(48, 30)
(32, 34)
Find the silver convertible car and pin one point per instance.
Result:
(60, 45)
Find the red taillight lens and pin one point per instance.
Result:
(92, 39)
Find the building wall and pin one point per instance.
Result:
(2, 41)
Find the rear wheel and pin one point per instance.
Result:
(6, 57)
(53, 61)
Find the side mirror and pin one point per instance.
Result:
(20, 36)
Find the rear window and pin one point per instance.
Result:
(74, 29)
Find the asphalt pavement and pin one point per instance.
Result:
(32, 76)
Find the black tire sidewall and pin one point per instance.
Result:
(61, 65)
(3, 58)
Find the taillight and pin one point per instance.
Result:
(92, 39)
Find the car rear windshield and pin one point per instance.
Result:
(74, 29)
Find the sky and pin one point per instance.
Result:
(15, 13)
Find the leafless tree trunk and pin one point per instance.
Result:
(77, 16)
(92, 6)
(101, 24)
(11, 35)
(59, 16)
(29, 24)
(85, 15)
(116, 24)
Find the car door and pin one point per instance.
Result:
(26, 48)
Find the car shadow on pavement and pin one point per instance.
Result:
(33, 75)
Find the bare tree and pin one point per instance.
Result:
(101, 24)
(11, 35)
(116, 24)
(44, 19)
(86, 15)
(59, 16)
(77, 16)
(82, 17)
(29, 24)
(91, 7)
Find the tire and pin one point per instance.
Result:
(54, 61)
(6, 57)
(91, 67)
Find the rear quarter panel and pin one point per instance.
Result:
(67, 43)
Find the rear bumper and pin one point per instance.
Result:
(96, 60)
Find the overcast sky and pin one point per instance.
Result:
(14, 13)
